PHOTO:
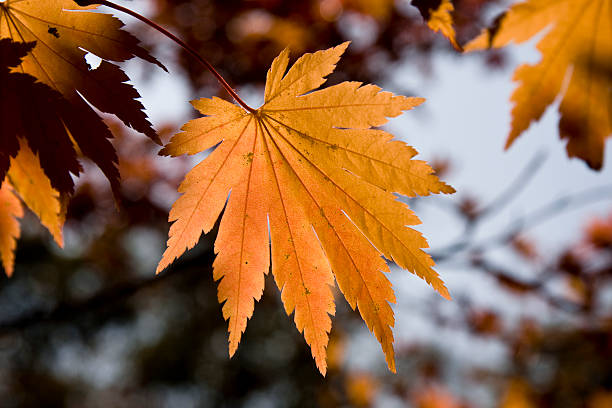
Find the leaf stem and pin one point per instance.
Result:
(177, 40)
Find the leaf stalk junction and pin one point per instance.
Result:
(177, 40)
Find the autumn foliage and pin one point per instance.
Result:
(310, 165)
(577, 48)
(306, 182)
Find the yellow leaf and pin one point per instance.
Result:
(438, 14)
(62, 32)
(305, 173)
(59, 34)
(33, 186)
(577, 42)
(10, 210)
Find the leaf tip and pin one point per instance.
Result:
(343, 46)
(390, 358)
(443, 291)
(8, 270)
(233, 346)
(417, 100)
(163, 264)
(59, 240)
(511, 138)
(412, 102)
(448, 189)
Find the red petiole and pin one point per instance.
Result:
(177, 40)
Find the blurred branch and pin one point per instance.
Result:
(499, 203)
(536, 286)
(512, 191)
(544, 213)
(65, 311)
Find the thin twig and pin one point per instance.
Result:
(502, 200)
(69, 311)
(544, 213)
(536, 286)
(177, 40)
(513, 190)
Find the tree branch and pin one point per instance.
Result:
(66, 311)
(544, 213)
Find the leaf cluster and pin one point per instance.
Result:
(306, 182)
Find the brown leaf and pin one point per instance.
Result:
(59, 114)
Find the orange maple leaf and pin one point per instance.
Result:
(577, 44)
(438, 14)
(26, 179)
(53, 113)
(10, 211)
(306, 173)
(30, 182)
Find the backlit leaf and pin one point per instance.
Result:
(438, 14)
(576, 43)
(307, 175)
(59, 34)
(10, 211)
(33, 186)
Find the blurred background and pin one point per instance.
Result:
(525, 245)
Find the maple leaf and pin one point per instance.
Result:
(26, 179)
(578, 39)
(438, 14)
(305, 173)
(53, 119)
(33, 111)
(34, 187)
(10, 210)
